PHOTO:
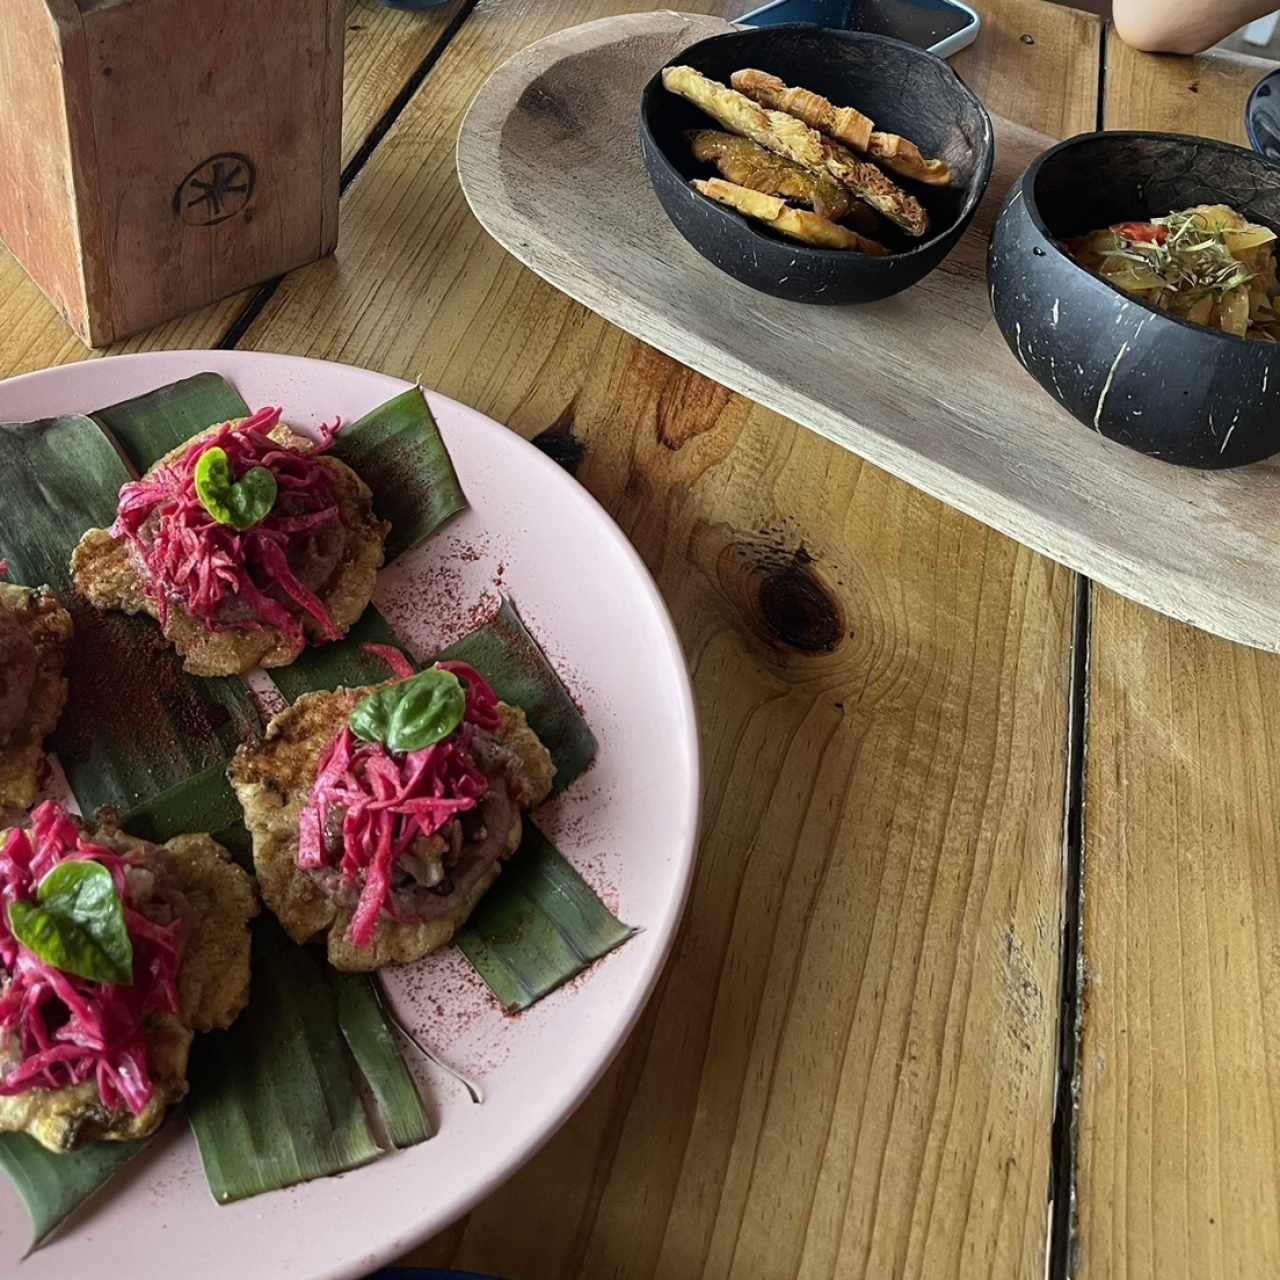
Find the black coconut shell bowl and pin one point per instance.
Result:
(903, 89)
(1158, 384)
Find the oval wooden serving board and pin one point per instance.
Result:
(921, 384)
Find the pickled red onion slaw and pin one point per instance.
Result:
(191, 558)
(69, 1029)
(387, 801)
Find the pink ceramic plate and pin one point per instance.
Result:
(629, 825)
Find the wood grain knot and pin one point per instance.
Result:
(781, 593)
(797, 609)
(560, 444)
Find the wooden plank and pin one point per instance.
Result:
(1179, 1164)
(383, 48)
(850, 1066)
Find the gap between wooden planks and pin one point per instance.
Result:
(849, 1068)
(383, 49)
(1179, 1136)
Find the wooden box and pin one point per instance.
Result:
(156, 155)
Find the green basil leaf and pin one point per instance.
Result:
(240, 503)
(413, 714)
(77, 923)
(371, 720)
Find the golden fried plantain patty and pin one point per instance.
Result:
(213, 989)
(107, 573)
(273, 781)
(44, 628)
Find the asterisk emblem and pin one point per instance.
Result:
(215, 190)
(222, 184)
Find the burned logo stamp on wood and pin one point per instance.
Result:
(216, 189)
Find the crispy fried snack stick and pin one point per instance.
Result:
(748, 164)
(844, 124)
(793, 139)
(798, 224)
(904, 159)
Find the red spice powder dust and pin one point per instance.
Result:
(436, 603)
(442, 999)
(446, 1004)
(127, 686)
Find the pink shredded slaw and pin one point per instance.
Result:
(388, 801)
(400, 666)
(191, 558)
(69, 1029)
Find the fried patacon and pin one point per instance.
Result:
(190, 884)
(843, 124)
(435, 884)
(746, 163)
(108, 571)
(793, 139)
(35, 633)
(797, 224)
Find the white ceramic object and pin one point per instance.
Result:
(629, 825)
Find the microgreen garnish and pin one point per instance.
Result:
(240, 503)
(1193, 260)
(76, 923)
(412, 714)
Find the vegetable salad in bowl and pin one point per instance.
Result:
(1208, 265)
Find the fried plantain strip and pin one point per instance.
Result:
(748, 164)
(798, 224)
(794, 140)
(844, 124)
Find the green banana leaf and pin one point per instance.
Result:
(202, 802)
(541, 924)
(373, 1045)
(508, 656)
(273, 1100)
(147, 427)
(134, 724)
(54, 1186)
(538, 927)
(397, 450)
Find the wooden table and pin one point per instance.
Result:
(913, 1015)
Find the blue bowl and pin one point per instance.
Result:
(1262, 117)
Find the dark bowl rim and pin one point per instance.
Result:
(1026, 186)
(978, 187)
